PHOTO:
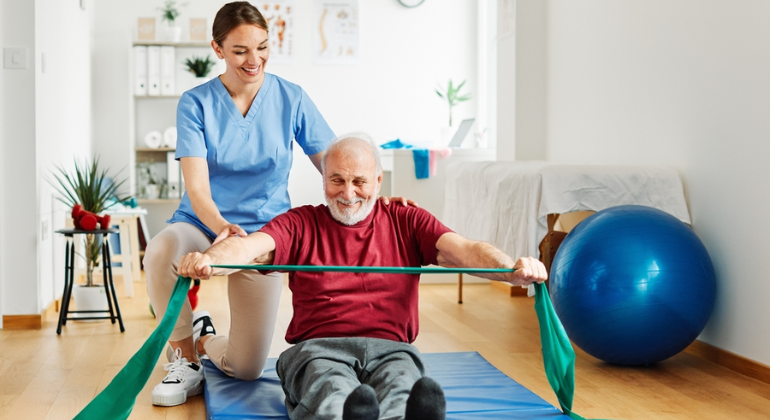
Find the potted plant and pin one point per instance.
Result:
(149, 184)
(92, 188)
(453, 97)
(200, 67)
(169, 13)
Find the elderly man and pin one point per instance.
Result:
(353, 357)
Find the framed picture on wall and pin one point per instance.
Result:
(198, 29)
(336, 40)
(279, 15)
(145, 29)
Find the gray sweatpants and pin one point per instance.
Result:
(253, 301)
(317, 375)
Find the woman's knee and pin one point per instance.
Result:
(249, 371)
(160, 252)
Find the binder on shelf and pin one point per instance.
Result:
(140, 70)
(153, 70)
(175, 184)
(166, 70)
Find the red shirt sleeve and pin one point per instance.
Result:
(427, 229)
(285, 230)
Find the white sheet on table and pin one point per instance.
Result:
(507, 203)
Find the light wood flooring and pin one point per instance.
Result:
(45, 376)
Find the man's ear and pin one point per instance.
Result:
(379, 182)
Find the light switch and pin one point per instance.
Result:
(15, 57)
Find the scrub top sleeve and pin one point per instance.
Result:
(191, 141)
(311, 131)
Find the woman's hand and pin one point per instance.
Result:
(229, 230)
(404, 201)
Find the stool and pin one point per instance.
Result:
(69, 279)
(127, 221)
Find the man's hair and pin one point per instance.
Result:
(367, 142)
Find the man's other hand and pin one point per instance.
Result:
(528, 271)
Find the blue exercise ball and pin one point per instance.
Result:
(632, 285)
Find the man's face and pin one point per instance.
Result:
(351, 184)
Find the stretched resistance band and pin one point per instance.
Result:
(117, 400)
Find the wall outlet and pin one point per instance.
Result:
(15, 57)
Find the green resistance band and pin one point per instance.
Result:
(348, 269)
(117, 400)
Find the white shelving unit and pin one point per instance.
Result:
(157, 113)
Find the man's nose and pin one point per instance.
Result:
(349, 192)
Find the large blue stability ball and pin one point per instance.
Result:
(632, 285)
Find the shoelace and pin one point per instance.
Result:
(176, 369)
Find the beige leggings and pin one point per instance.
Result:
(253, 300)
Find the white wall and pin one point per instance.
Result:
(2, 153)
(521, 65)
(62, 121)
(18, 261)
(390, 94)
(45, 118)
(684, 84)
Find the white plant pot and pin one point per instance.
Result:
(173, 33)
(152, 191)
(89, 299)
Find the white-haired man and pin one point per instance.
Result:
(352, 332)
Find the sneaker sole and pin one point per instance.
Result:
(179, 398)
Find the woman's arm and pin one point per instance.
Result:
(316, 159)
(195, 171)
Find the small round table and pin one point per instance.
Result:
(69, 279)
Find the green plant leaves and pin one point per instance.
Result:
(87, 186)
(199, 66)
(452, 95)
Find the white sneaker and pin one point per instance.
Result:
(201, 326)
(184, 380)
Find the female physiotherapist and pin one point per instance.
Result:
(235, 146)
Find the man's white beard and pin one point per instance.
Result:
(348, 216)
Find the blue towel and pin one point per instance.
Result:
(421, 163)
(396, 144)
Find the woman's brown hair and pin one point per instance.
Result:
(235, 14)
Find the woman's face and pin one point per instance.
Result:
(245, 51)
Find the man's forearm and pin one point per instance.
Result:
(485, 255)
(240, 251)
(456, 251)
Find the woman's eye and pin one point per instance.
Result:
(262, 48)
(240, 52)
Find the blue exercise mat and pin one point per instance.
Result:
(474, 389)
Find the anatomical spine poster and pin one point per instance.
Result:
(335, 32)
(279, 15)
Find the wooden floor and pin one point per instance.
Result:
(45, 376)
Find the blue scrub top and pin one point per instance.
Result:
(249, 157)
